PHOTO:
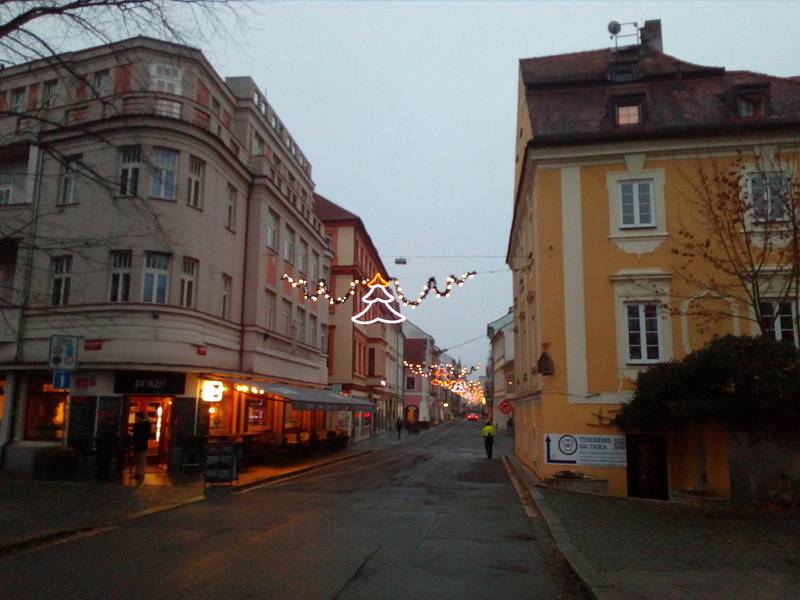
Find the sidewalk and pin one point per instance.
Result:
(658, 550)
(33, 511)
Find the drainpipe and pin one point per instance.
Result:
(26, 292)
(244, 274)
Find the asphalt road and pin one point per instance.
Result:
(431, 517)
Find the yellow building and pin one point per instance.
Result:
(608, 143)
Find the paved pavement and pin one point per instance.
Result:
(31, 510)
(662, 551)
(429, 516)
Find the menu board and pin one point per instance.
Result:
(109, 412)
(183, 415)
(80, 432)
(221, 465)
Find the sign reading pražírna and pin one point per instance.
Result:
(585, 449)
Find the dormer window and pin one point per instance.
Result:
(751, 100)
(623, 71)
(627, 110)
(629, 114)
(750, 106)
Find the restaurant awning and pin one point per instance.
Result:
(311, 398)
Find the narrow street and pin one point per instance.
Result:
(430, 517)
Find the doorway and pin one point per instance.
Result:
(647, 466)
(157, 409)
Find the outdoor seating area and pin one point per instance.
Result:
(264, 448)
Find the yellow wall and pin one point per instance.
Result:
(539, 313)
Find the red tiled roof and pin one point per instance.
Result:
(594, 64)
(330, 211)
(569, 97)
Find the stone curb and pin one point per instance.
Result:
(594, 581)
(65, 534)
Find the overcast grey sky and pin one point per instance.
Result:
(407, 112)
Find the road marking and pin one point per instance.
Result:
(525, 498)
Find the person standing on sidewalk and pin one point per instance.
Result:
(399, 425)
(141, 435)
(488, 432)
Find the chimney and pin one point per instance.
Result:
(651, 36)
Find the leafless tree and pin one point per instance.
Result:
(50, 30)
(740, 240)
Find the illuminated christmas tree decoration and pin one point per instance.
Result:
(380, 295)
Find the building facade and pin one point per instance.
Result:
(609, 143)
(148, 208)
(418, 400)
(364, 359)
(500, 369)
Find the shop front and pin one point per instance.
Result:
(247, 409)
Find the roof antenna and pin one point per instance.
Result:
(615, 27)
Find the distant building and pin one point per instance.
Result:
(366, 361)
(418, 400)
(500, 368)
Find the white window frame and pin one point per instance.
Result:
(313, 267)
(230, 208)
(777, 329)
(288, 246)
(70, 181)
(227, 291)
(188, 284)
(300, 324)
(312, 329)
(765, 178)
(641, 319)
(287, 309)
(258, 145)
(270, 308)
(302, 259)
(19, 97)
(61, 281)
(156, 269)
(101, 83)
(194, 192)
(6, 190)
(164, 178)
(49, 93)
(637, 185)
(130, 158)
(637, 240)
(641, 286)
(273, 230)
(166, 78)
(120, 280)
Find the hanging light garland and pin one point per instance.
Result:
(450, 368)
(323, 289)
(431, 285)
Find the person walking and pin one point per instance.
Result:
(399, 425)
(141, 435)
(488, 432)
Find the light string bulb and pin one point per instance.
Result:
(323, 289)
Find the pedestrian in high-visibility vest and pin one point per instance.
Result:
(488, 432)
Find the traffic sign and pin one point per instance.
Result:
(63, 352)
(62, 380)
(505, 407)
